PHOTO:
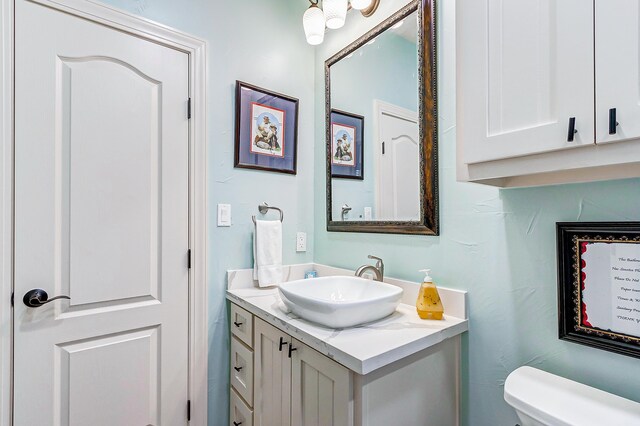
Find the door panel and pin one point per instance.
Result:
(93, 195)
(321, 393)
(126, 378)
(101, 215)
(617, 68)
(399, 169)
(272, 376)
(523, 72)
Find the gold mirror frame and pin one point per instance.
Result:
(428, 133)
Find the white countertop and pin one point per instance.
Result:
(362, 349)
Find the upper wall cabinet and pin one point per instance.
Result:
(543, 86)
(617, 49)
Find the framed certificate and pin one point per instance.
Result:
(599, 285)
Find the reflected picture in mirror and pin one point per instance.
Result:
(347, 145)
(378, 79)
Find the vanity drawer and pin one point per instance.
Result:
(241, 367)
(239, 413)
(242, 324)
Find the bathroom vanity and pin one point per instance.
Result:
(289, 371)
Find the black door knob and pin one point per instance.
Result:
(38, 297)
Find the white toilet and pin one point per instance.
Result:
(544, 399)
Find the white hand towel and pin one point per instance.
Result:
(267, 252)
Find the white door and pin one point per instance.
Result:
(320, 389)
(101, 216)
(524, 71)
(617, 70)
(398, 175)
(272, 396)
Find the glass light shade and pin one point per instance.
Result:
(313, 23)
(335, 12)
(360, 4)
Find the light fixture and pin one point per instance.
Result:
(335, 12)
(333, 15)
(313, 23)
(360, 4)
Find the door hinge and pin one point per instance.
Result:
(382, 147)
(189, 109)
(189, 259)
(189, 410)
(12, 297)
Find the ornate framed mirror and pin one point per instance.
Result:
(381, 128)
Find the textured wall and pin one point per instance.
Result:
(262, 43)
(497, 244)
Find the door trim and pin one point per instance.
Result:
(381, 108)
(198, 301)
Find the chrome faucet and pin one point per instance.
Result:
(345, 209)
(378, 270)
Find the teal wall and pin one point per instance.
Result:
(499, 245)
(355, 83)
(260, 42)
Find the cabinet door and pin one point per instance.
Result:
(321, 392)
(272, 381)
(524, 69)
(617, 69)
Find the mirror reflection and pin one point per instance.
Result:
(375, 144)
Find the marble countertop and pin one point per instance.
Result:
(362, 349)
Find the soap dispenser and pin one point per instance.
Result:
(429, 305)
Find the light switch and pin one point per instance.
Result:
(224, 214)
(301, 241)
(367, 213)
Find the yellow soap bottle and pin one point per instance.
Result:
(429, 305)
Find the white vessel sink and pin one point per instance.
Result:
(340, 302)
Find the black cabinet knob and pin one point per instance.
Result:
(291, 349)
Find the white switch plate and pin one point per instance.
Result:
(301, 241)
(367, 213)
(224, 214)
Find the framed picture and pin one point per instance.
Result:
(599, 285)
(266, 130)
(347, 135)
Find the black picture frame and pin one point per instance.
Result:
(266, 131)
(573, 241)
(343, 123)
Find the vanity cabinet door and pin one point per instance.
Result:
(525, 69)
(272, 395)
(321, 392)
(617, 70)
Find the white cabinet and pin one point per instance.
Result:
(320, 389)
(535, 85)
(295, 385)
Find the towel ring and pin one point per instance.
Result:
(264, 208)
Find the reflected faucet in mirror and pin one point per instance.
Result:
(378, 270)
(345, 210)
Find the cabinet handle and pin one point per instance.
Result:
(572, 129)
(281, 344)
(238, 324)
(237, 423)
(291, 349)
(237, 369)
(613, 123)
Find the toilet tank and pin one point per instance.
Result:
(544, 399)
